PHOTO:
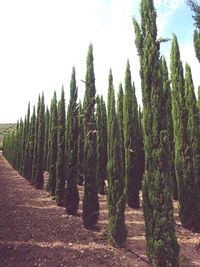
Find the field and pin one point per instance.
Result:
(35, 232)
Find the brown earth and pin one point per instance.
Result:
(35, 232)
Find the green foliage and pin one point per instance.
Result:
(61, 157)
(195, 7)
(26, 144)
(31, 144)
(5, 129)
(190, 195)
(178, 110)
(39, 178)
(72, 195)
(141, 156)
(116, 197)
(120, 115)
(162, 246)
(131, 138)
(186, 135)
(167, 103)
(197, 44)
(34, 164)
(101, 144)
(90, 200)
(81, 140)
(110, 110)
(46, 145)
(51, 186)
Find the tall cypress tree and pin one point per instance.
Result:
(178, 112)
(51, 186)
(99, 154)
(197, 43)
(34, 164)
(104, 137)
(31, 143)
(20, 145)
(101, 144)
(81, 139)
(169, 122)
(116, 197)
(109, 111)
(46, 145)
(141, 156)
(61, 157)
(120, 115)
(190, 201)
(23, 146)
(162, 247)
(195, 7)
(183, 121)
(90, 200)
(39, 178)
(16, 146)
(26, 144)
(72, 195)
(131, 142)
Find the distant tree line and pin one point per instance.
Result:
(156, 148)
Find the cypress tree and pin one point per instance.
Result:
(162, 247)
(109, 106)
(61, 157)
(195, 7)
(199, 98)
(196, 11)
(109, 112)
(169, 123)
(26, 145)
(90, 200)
(71, 194)
(179, 113)
(53, 146)
(131, 142)
(34, 164)
(99, 154)
(183, 119)
(197, 43)
(120, 115)
(31, 143)
(117, 231)
(46, 145)
(141, 157)
(16, 146)
(104, 138)
(39, 178)
(101, 144)
(23, 146)
(190, 196)
(81, 139)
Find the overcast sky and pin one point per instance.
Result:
(41, 40)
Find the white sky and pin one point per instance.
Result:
(41, 40)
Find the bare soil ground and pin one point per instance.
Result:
(35, 232)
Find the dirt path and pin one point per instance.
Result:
(35, 232)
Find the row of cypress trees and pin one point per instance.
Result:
(93, 144)
(85, 145)
(171, 141)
